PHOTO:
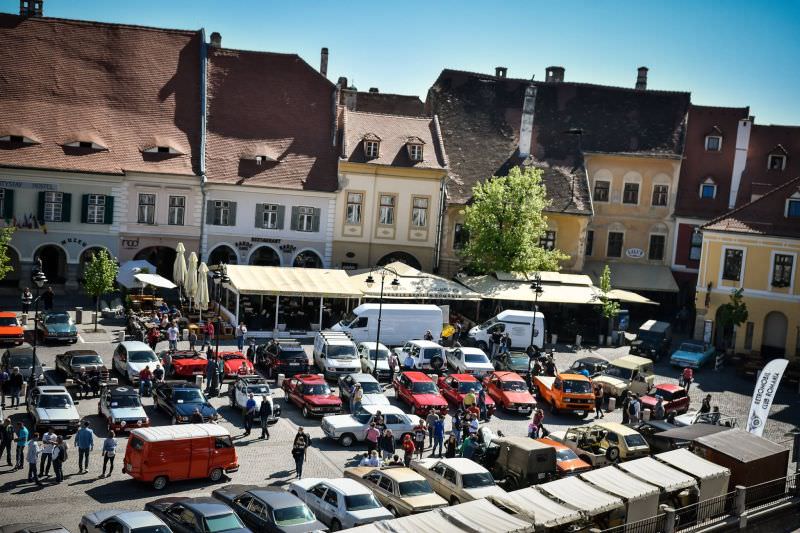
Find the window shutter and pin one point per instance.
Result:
(84, 209)
(209, 212)
(8, 204)
(295, 214)
(281, 216)
(315, 222)
(66, 207)
(259, 215)
(108, 217)
(40, 207)
(232, 218)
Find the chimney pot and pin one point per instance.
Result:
(323, 62)
(554, 74)
(373, 90)
(216, 39)
(342, 83)
(641, 78)
(500, 72)
(30, 8)
(350, 96)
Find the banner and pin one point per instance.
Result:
(766, 389)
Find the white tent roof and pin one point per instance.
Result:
(430, 522)
(684, 460)
(659, 474)
(292, 281)
(545, 512)
(155, 280)
(127, 271)
(615, 481)
(495, 288)
(414, 285)
(581, 495)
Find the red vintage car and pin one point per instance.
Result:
(10, 330)
(419, 391)
(510, 391)
(675, 399)
(455, 386)
(186, 363)
(312, 394)
(233, 364)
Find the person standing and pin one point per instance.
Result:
(109, 452)
(197, 417)
(241, 331)
(386, 443)
(172, 336)
(15, 385)
(84, 441)
(48, 443)
(408, 449)
(450, 446)
(705, 407)
(6, 439)
(371, 437)
(635, 409)
(432, 417)
(167, 359)
(659, 411)
(22, 441)
(59, 457)
(249, 413)
(153, 336)
(264, 413)
(299, 449)
(47, 299)
(192, 339)
(467, 448)
(625, 405)
(687, 378)
(419, 438)
(27, 300)
(437, 430)
(208, 334)
(356, 397)
(484, 412)
(5, 386)
(428, 336)
(220, 372)
(598, 401)
(34, 449)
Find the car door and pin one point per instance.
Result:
(314, 499)
(373, 480)
(260, 516)
(240, 506)
(386, 486)
(173, 517)
(344, 387)
(449, 482)
(395, 423)
(436, 476)
(330, 506)
(111, 525)
(679, 402)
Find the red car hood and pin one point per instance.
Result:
(233, 365)
(429, 399)
(649, 401)
(189, 363)
(329, 399)
(518, 397)
(11, 330)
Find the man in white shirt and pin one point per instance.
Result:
(34, 449)
(172, 336)
(241, 331)
(48, 443)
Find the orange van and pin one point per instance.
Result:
(158, 455)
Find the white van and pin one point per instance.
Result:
(335, 354)
(399, 322)
(516, 323)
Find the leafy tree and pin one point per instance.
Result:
(98, 277)
(505, 222)
(732, 314)
(5, 261)
(608, 308)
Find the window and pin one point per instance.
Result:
(53, 202)
(713, 143)
(776, 162)
(177, 208)
(372, 149)
(305, 219)
(96, 209)
(589, 242)
(147, 208)
(450, 475)
(2, 200)
(548, 240)
(419, 212)
(615, 239)
(696, 246)
(386, 216)
(630, 194)
(708, 190)
(355, 201)
(601, 190)
(460, 236)
(660, 195)
(656, 250)
(270, 217)
(782, 265)
(793, 208)
(732, 266)
(331, 499)
(415, 152)
(222, 213)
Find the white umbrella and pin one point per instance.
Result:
(202, 288)
(191, 277)
(179, 268)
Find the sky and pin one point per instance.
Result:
(726, 53)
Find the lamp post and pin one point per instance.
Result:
(39, 279)
(536, 287)
(371, 281)
(220, 278)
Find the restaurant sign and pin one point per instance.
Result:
(634, 253)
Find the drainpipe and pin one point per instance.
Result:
(203, 111)
(442, 204)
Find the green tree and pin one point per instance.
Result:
(608, 308)
(98, 278)
(505, 222)
(5, 261)
(732, 315)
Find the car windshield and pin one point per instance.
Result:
(316, 389)
(515, 386)
(382, 354)
(649, 336)
(469, 386)
(292, 516)
(347, 320)
(477, 480)
(429, 353)
(8, 321)
(56, 319)
(341, 352)
(20, 360)
(618, 372)
(125, 401)
(231, 356)
(151, 529)
(635, 440)
(489, 323)
(225, 522)
(185, 355)
(691, 347)
(87, 360)
(371, 387)
(55, 401)
(424, 387)
(475, 358)
(519, 361)
(565, 455)
(188, 396)
(142, 357)
(418, 487)
(259, 389)
(360, 502)
(665, 394)
(577, 387)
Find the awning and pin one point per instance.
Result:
(581, 495)
(692, 431)
(291, 281)
(684, 460)
(657, 473)
(155, 280)
(629, 297)
(545, 512)
(634, 276)
(127, 271)
(642, 497)
(430, 522)
(489, 286)
(414, 285)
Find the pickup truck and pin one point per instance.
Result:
(566, 392)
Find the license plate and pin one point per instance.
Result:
(197, 373)
(294, 364)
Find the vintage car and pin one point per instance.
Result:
(69, 363)
(653, 339)
(22, 357)
(340, 503)
(518, 362)
(566, 393)
(401, 490)
(457, 480)
(349, 429)
(372, 392)
(469, 361)
(186, 364)
(510, 392)
(419, 391)
(122, 408)
(51, 406)
(593, 365)
(268, 509)
(236, 364)
(257, 386)
(455, 386)
(674, 398)
(516, 462)
(567, 461)
(651, 431)
(188, 515)
(57, 326)
(179, 399)
(603, 443)
(312, 394)
(11, 332)
(367, 355)
(628, 373)
(112, 520)
(131, 357)
(693, 354)
(714, 418)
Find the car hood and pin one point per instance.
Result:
(11, 330)
(686, 356)
(128, 412)
(429, 399)
(328, 399)
(485, 367)
(518, 397)
(58, 414)
(611, 382)
(61, 328)
(374, 399)
(485, 492)
(200, 363)
(343, 421)
(572, 466)
(186, 409)
(371, 515)
(426, 500)
(138, 367)
(685, 419)
(233, 365)
(649, 401)
(98, 516)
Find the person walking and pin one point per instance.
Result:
(467, 448)
(420, 432)
(598, 401)
(34, 450)
(109, 451)
(192, 339)
(220, 372)
(356, 397)
(437, 430)
(687, 377)
(208, 333)
(22, 441)
(211, 370)
(5, 386)
(241, 331)
(658, 410)
(635, 409)
(494, 343)
(299, 448)
(484, 412)
(153, 336)
(167, 360)
(264, 413)
(705, 407)
(408, 450)
(6, 439)
(386, 444)
(432, 417)
(15, 381)
(48, 443)
(47, 299)
(27, 300)
(249, 414)
(625, 405)
(172, 336)
(59, 457)
(371, 437)
(451, 446)
(84, 441)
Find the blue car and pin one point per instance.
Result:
(179, 400)
(692, 355)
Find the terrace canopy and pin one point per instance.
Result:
(414, 284)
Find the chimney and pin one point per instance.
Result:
(342, 83)
(216, 40)
(373, 90)
(323, 62)
(554, 74)
(30, 8)
(349, 95)
(500, 72)
(641, 78)
(526, 126)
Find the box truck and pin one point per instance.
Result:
(516, 323)
(399, 323)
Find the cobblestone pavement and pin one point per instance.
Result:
(270, 462)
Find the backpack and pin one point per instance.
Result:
(632, 408)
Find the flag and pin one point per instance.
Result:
(765, 391)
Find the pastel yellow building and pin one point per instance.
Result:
(755, 248)
(391, 188)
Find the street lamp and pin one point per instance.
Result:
(220, 278)
(536, 287)
(39, 279)
(370, 281)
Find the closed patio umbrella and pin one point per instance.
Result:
(179, 268)
(191, 277)
(202, 288)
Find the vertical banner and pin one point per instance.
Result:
(708, 327)
(766, 389)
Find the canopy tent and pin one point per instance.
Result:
(545, 512)
(713, 478)
(622, 295)
(429, 522)
(128, 270)
(641, 498)
(634, 276)
(291, 281)
(155, 280)
(656, 473)
(581, 495)
(414, 285)
(692, 431)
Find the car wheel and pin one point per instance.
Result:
(215, 475)
(306, 412)
(454, 500)
(335, 525)
(553, 408)
(612, 454)
(160, 482)
(512, 483)
(347, 440)
(392, 510)
(584, 414)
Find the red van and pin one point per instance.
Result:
(158, 455)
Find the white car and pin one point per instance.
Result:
(122, 408)
(240, 391)
(51, 406)
(469, 361)
(340, 503)
(130, 358)
(696, 417)
(427, 355)
(115, 521)
(372, 392)
(366, 353)
(348, 429)
(335, 354)
(457, 480)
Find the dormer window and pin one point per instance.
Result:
(415, 145)
(89, 145)
(713, 143)
(776, 162)
(161, 150)
(372, 146)
(17, 139)
(793, 206)
(708, 189)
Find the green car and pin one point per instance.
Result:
(57, 326)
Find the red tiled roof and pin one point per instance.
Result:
(126, 86)
(394, 132)
(765, 140)
(389, 104)
(763, 216)
(271, 103)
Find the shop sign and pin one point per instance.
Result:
(349, 266)
(265, 239)
(130, 244)
(7, 184)
(243, 246)
(74, 240)
(634, 253)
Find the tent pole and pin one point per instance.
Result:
(277, 306)
(237, 310)
(321, 303)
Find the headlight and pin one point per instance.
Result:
(123, 424)
(183, 418)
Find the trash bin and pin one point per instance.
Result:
(23, 319)
(646, 415)
(198, 380)
(578, 340)
(612, 403)
(79, 315)
(281, 378)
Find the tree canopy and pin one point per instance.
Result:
(98, 277)
(5, 261)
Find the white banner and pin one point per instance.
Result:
(766, 389)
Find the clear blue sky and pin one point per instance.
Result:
(733, 52)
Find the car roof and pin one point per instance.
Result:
(616, 427)
(33, 527)
(464, 377)
(23, 349)
(206, 506)
(52, 389)
(667, 387)
(54, 313)
(631, 362)
(463, 465)
(551, 442)
(346, 485)
(81, 352)
(505, 375)
(253, 380)
(135, 345)
(179, 432)
(573, 377)
(425, 344)
(136, 519)
(384, 409)
(277, 498)
(593, 360)
(415, 375)
(363, 378)
(370, 344)
(655, 326)
(122, 390)
(400, 474)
